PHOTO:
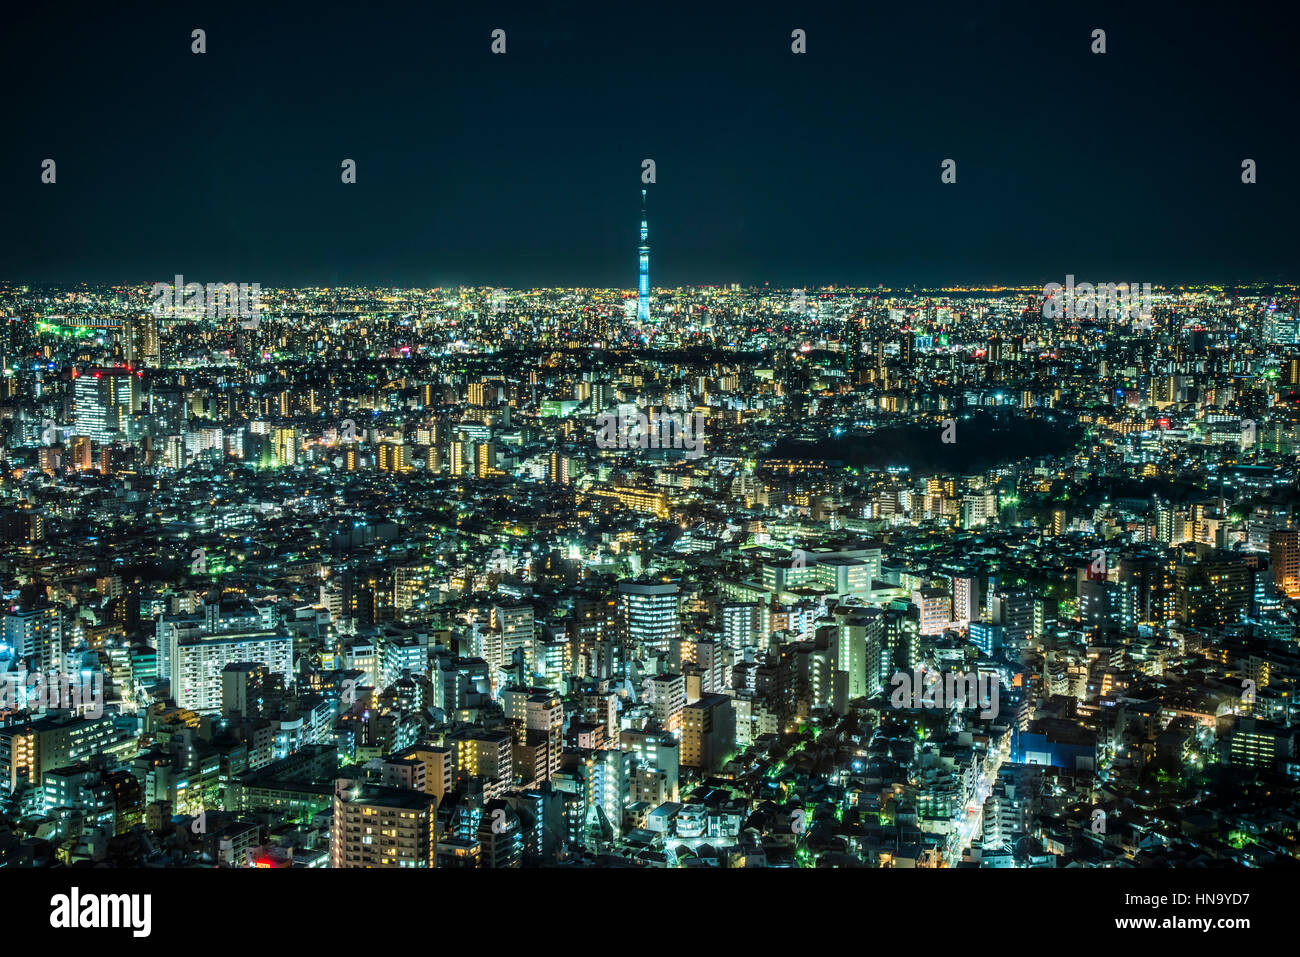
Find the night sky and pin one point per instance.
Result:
(524, 169)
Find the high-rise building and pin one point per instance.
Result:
(35, 635)
(740, 624)
(142, 341)
(195, 663)
(907, 348)
(1284, 554)
(81, 454)
(500, 836)
(28, 749)
(487, 755)
(965, 597)
(658, 751)
(485, 458)
(643, 257)
(936, 609)
(666, 694)
(51, 459)
(986, 636)
(393, 457)
(382, 827)
(104, 400)
(859, 647)
(1253, 743)
(610, 788)
(649, 614)
(515, 623)
(1214, 590)
(421, 768)
(173, 452)
(411, 584)
(708, 733)
(854, 361)
(1284, 328)
(25, 525)
(243, 687)
(461, 458)
(536, 716)
(286, 446)
(1014, 611)
(557, 471)
(978, 508)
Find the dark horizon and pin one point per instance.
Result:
(523, 170)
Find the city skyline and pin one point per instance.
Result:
(573, 437)
(851, 580)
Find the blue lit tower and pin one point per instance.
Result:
(643, 254)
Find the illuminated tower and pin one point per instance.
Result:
(643, 254)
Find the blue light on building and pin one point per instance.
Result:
(643, 284)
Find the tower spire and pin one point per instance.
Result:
(643, 258)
